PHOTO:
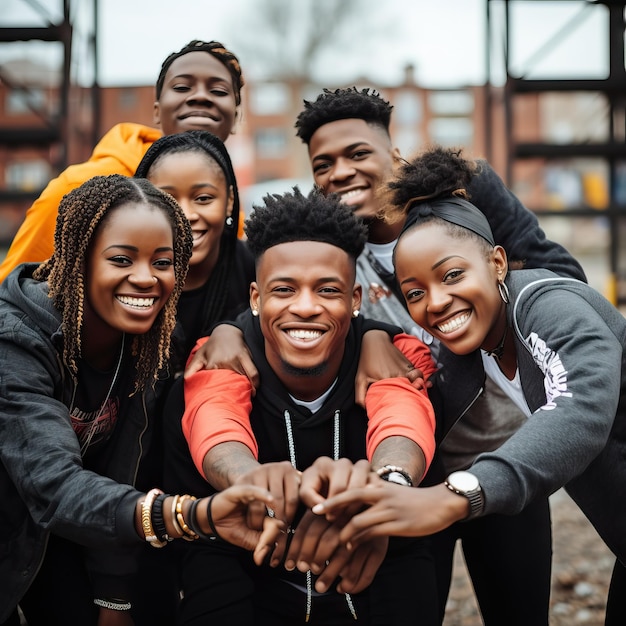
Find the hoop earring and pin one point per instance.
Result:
(229, 222)
(504, 292)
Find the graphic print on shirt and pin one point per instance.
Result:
(96, 425)
(554, 372)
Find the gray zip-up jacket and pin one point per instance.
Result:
(572, 363)
(43, 486)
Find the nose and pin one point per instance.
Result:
(142, 276)
(304, 304)
(188, 209)
(438, 299)
(342, 169)
(199, 93)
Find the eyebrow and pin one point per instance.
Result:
(194, 186)
(321, 280)
(136, 249)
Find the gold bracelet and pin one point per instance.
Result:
(189, 535)
(175, 523)
(146, 519)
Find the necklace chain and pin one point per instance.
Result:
(94, 422)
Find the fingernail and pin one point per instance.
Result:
(303, 567)
(318, 509)
(290, 565)
(320, 587)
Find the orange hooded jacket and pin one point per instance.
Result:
(118, 152)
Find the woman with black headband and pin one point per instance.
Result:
(555, 346)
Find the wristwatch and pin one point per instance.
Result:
(467, 485)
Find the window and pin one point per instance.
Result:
(27, 175)
(452, 131)
(271, 143)
(127, 98)
(270, 99)
(407, 108)
(24, 101)
(451, 102)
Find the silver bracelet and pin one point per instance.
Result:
(112, 604)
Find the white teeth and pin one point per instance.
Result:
(350, 194)
(197, 234)
(304, 334)
(453, 324)
(140, 303)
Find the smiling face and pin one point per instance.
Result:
(197, 93)
(450, 287)
(198, 184)
(305, 295)
(351, 157)
(129, 271)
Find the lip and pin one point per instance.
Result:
(198, 237)
(354, 196)
(453, 324)
(202, 114)
(138, 304)
(303, 336)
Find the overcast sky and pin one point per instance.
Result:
(443, 39)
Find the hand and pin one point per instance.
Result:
(282, 480)
(395, 510)
(381, 359)
(225, 349)
(326, 477)
(315, 545)
(229, 513)
(360, 569)
(110, 617)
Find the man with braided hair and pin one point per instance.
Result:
(198, 87)
(305, 334)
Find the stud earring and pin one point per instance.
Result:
(255, 312)
(229, 221)
(355, 313)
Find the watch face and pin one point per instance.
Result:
(463, 481)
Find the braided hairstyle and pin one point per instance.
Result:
(81, 212)
(214, 48)
(342, 104)
(213, 148)
(292, 216)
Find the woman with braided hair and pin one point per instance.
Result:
(198, 87)
(84, 338)
(194, 167)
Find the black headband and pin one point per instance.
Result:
(454, 210)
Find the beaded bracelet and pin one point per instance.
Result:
(158, 521)
(188, 534)
(115, 605)
(146, 519)
(195, 525)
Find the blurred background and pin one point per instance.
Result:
(537, 87)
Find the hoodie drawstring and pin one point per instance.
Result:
(292, 459)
